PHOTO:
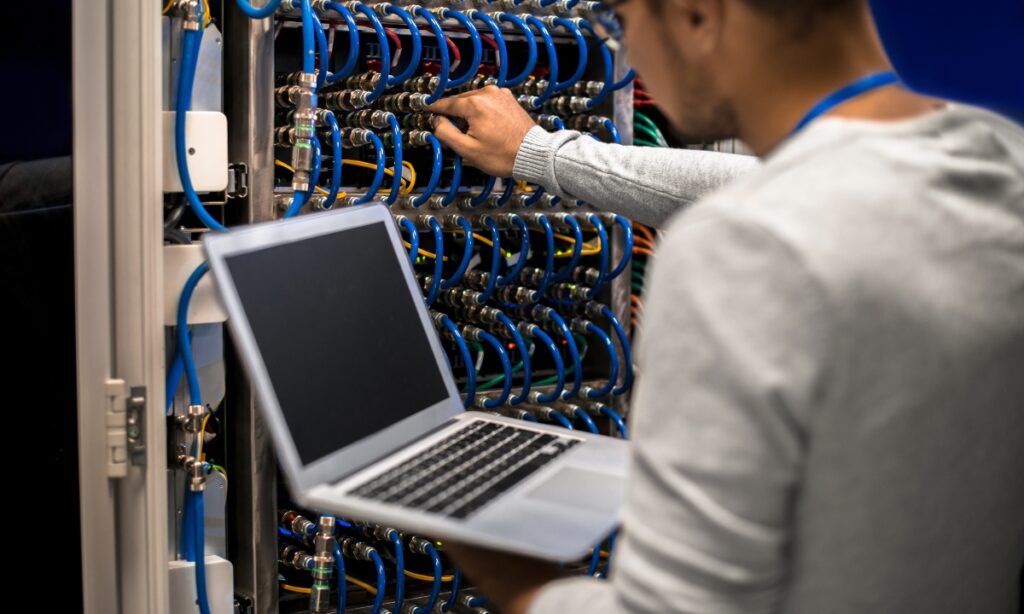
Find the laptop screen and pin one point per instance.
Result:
(336, 325)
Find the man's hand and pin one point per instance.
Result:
(510, 581)
(497, 127)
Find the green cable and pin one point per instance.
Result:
(642, 129)
(645, 143)
(494, 383)
(651, 127)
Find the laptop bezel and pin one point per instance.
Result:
(350, 458)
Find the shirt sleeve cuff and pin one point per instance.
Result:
(535, 161)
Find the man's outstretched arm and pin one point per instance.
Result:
(646, 184)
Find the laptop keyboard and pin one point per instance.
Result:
(464, 471)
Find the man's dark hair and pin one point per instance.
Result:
(801, 14)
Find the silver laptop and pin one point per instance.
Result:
(363, 409)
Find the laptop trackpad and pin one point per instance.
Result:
(580, 488)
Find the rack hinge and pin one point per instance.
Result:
(126, 411)
(238, 180)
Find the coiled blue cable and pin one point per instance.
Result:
(414, 239)
(492, 277)
(532, 199)
(378, 175)
(613, 361)
(382, 582)
(627, 231)
(626, 80)
(587, 421)
(442, 52)
(467, 359)
(595, 559)
(199, 515)
(321, 50)
(187, 542)
(435, 587)
(453, 189)
(556, 355)
(531, 49)
(184, 339)
(524, 356)
(577, 250)
(435, 283)
(396, 140)
(385, 51)
(510, 185)
(627, 352)
(336, 153)
(467, 255)
(613, 131)
(559, 417)
(258, 13)
(173, 379)
(399, 550)
(616, 419)
(608, 66)
(454, 595)
(353, 43)
(581, 47)
(499, 41)
(339, 564)
(473, 65)
(549, 259)
(481, 198)
(602, 234)
(506, 366)
(435, 172)
(476, 602)
(308, 39)
(183, 102)
(558, 123)
(574, 353)
(549, 46)
(417, 45)
(524, 251)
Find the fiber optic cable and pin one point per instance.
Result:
(417, 46)
(353, 43)
(531, 48)
(467, 255)
(378, 177)
(435, 172)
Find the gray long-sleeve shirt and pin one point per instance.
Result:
(830, 411)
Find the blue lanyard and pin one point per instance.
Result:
(849, 92)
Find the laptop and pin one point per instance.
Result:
(363, 409)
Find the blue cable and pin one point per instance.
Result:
(524, 252)
(378, 176)
(308, 39)
(476, 602)
(574, 353)
(396, 140)
(528, 417)
(499, 41)
(608, 66)
(399, 550)
(506, 366)
(454, 596)
(613, 361)
(474, 38)
(339, 564)
(414, 239)
(467, 255)
(549, 260)
(173, 379)
(616, 419)
(531, 43)
(187, 543)
(453, 189)
(385, 51)
(559, 417)
(382, 582)
(627, 230)
(549, 46)
(435, 171)
(442, 51)
(336, 153)
(353, 43)
(183, 102)
(299, 199)
(417, 46)
(435, 587)
(626, 80)
(321, 49)
(556, 355)
(611, 549)
(510, 185)
(613, 131)
(627, 352)
(184, 339)
(258, 13)
(524, 356)
(492, 276)
(557, 121)
(435, 283)
(467, 359)
(481, 198)
(595, 560)
(532, 199)
(581, 47)
(577, 251)
(588, 422)
(602, 234)
(199, 515)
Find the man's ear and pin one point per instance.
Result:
(700, 24)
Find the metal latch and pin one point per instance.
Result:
(238, 180)
(126, 411)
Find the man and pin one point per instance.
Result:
(830, 417)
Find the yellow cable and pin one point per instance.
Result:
(419, 576)
(412, 175)
(296, 589)
(288, 167)
(524, 187)
(206, 11)
(167, 7)
(202, 431)
(363, 585)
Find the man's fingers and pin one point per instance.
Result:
(453, 138)
(454, 105)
